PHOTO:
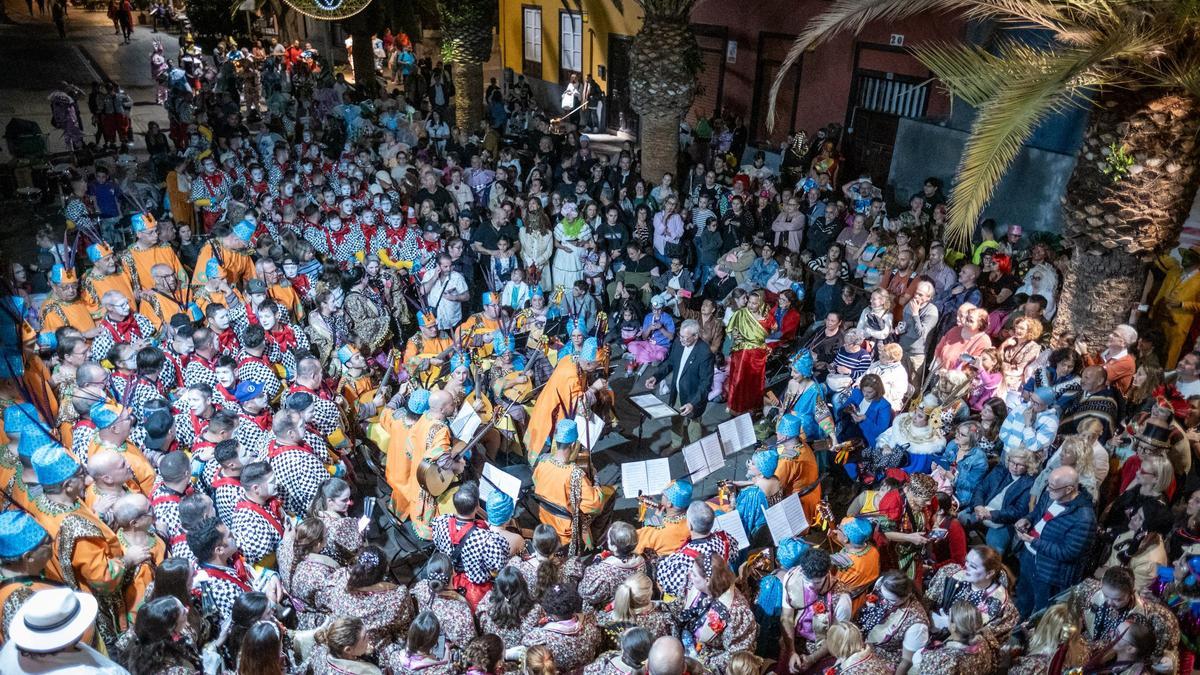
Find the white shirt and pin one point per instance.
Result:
(79, 660)
(687, 352)
(1188, 389)
(449, 312)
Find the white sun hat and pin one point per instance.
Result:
(52, 620)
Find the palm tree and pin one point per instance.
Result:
(467, 43)
(1135, 62)
(664, 61)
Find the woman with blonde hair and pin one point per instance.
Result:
(538, 661)
(339, 648)
(1018, 351)
(1147, 491)
(633, 605)
(969, 649)
(1056, 645)
(744, 663)
(854, 656)
(1076, 452)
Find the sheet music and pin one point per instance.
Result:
(704, 457)
(737, 434)
(645, 478)
(731, 523)
(505, 482)
(653, 406)
(786, 519)
(590, 430)
(465, 423)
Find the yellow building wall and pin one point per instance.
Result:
(600, 19)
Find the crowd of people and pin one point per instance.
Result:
(228, 394)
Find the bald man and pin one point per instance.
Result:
(112, 480)
(1099, 400)
(133, 522)
(667, 657)
(1054, 540)
(163, 300)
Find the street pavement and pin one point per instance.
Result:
(36, 61)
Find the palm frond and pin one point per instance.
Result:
(850, 15)
(1009, 118)
(975, 74)
(1183, 74)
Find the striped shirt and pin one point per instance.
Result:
(1016, 435)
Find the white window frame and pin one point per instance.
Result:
(571, 41)
(531, 30)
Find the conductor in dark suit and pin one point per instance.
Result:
(688, 374)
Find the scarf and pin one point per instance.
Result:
(227, 340)
(572, 228)
(124, 330)
(282, 337)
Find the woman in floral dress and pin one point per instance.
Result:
(854, 656)
(715, 619)
(361, 591)
(339, 648)
(423, 652)
(343, 537)
(612, 567)
(508, 610)
(570, 635)
(633, 606)
(968, 650)
(311, 570)
(983, 582)
(434, 594)
(894, 620)
(629, 659)
(544, 566)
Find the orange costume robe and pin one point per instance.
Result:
(556, 402)
(56, 314)
(159, 308)
(39, 382)
(798, 472)
(93, 286)
(863, 571)
(238, 266)
(205, 297)
(476, 327)
(143, 470)
(14, 594)
(11, 480)
(139, 261)
(141, 577)
(290, 299)
(664, 539)
(428, 439)
(399, 469)
(552, 483)
(87, 557)
(419, 348)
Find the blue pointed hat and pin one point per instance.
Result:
(33, 439)
(19, 417)
(566, 431)
(499, 508)
(212, 268)
(857, 530)
(245, 230)
(802, 363)
(98, 250)
(766, 461)
(459, 360)
(679, 493)
(19, 534)
(590, 350)
(418, 402)
(53, 465)
(789, 551)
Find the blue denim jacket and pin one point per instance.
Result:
(971, 470)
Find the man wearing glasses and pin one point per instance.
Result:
(1053, 540)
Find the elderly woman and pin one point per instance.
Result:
(612, 567)
(571, 635)
(1018, 351)
(895, 622)
(891, 372)
(1061, 374)
(965, 459)
(984, 582)
(1075, 452)
(967, 649)
(850, 362)
(966, 341)
(714, 617)
(1002, 498)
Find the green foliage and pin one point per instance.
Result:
(1117, 161)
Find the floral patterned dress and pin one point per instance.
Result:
(1103, 625)
(957, 658)
(654, 618)
(570, 572)
(403, 663)
(510, 636)
(452, 610)
(602, 577)
(386, 610)
(1000, 614)
(610, 663)
(893, 628)
(321, 662)
(309, 581)
(574, 642)
(866, 662)
(715, 628)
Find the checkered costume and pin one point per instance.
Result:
(298, 472)
(223, 399)
(119, 333)
(400, 242)
(342, 243)
(226, 493)
(220, 587)
(254, 431)
(143, 392)
(79, 212)
(189, 428)
(327, 417)
(171, 374)
(282, 346)
(317, 443)
(82, 434)
(257, 534)
(242, 315)
(482, 552)
(259, 369)
(673, 570)
(200, 370)
(164, 502)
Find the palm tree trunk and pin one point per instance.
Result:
(659, 136)
(1117, 224)
(468, 95)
